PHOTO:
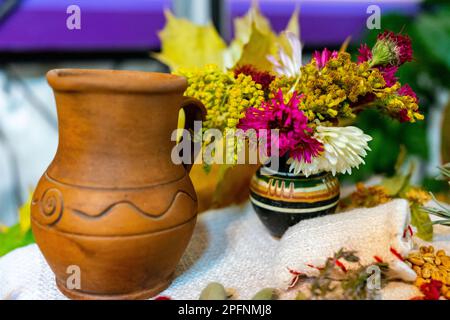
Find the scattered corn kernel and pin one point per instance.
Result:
(431, 265)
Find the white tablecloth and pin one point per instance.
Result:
(230, 246)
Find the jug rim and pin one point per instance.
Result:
(114, 80)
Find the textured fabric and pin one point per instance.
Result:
(382, 231)
(230, 246)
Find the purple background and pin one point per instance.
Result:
(133, 24)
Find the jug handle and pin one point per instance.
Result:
(194, 110)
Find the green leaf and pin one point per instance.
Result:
(398, 183)
(14, 238)
(394, 185)
(185, 44)
(20, 234)
(445, 222)
(437, 25)
(421, 220)
(445, 134)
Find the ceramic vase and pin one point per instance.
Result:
(113, 209)
(282, 199)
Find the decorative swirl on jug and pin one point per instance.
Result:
(51, 205)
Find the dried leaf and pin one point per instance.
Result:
(257, 49)
(445, 134)
(293, 26)
(398, 183)
(253, 35)
(351, 257)
(185, 44)
(345, 44)
(421, 220)
(255, 40)
(301, 296)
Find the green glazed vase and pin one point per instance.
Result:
(282, 199)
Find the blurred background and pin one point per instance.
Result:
(117, 34)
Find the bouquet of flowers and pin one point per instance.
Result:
(309, 103)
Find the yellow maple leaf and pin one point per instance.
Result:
(187, 45)
(255, 40)
(244, 38)
(256, 50)
(293, 26)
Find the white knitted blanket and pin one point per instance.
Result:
(229, 245)
(380, 233)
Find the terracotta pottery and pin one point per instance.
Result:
(112, 204)
(219, 190)
(282, 199)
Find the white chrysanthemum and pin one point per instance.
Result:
(288, 65)
(344, 149)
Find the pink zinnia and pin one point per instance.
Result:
(294, 133)
(323, 57)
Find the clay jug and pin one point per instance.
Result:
(113, 214)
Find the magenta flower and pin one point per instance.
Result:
(323, 57)
(365, 54)
(388, 73)
(406, 90)
(403, 47)
(390, 49)
(294, 136)
(402, 116)
(306, 149)
(264, 78)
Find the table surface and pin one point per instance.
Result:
(229, 245)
